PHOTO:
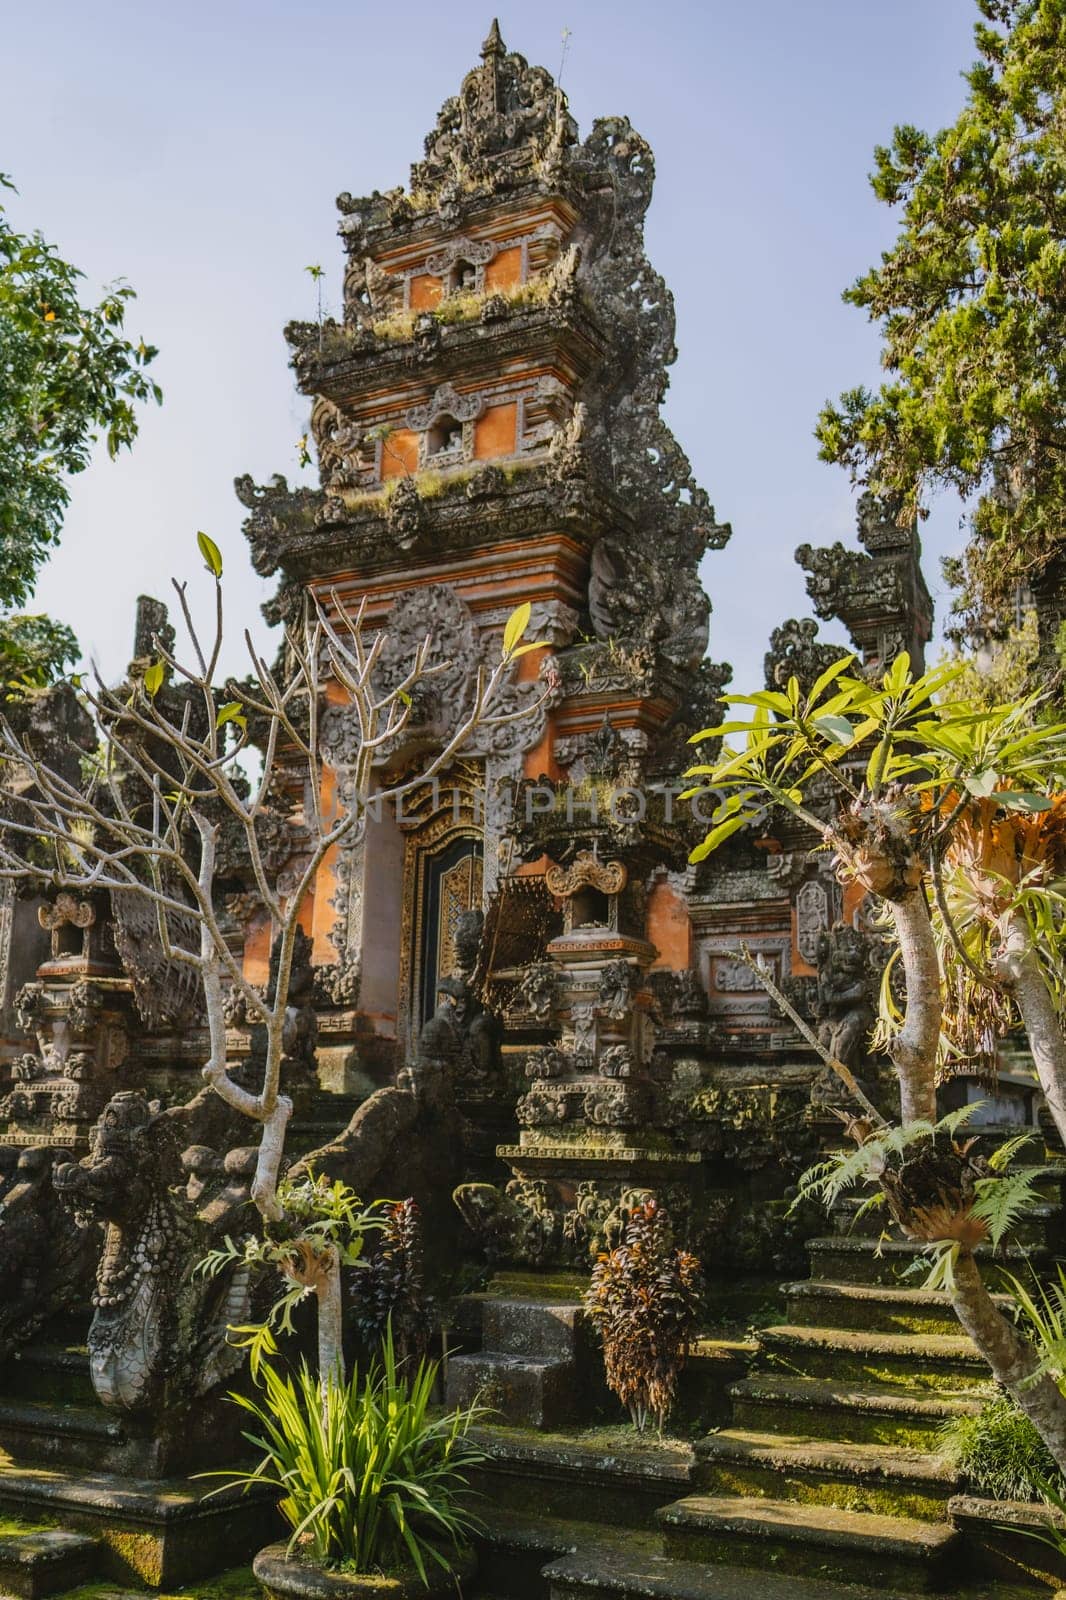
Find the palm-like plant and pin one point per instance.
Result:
(368, 1480)
(952, 817)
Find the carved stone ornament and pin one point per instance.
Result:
(618, 982)
(585, 871)
(479, 252)
(812, 919)
(65, 911)
(446, 402)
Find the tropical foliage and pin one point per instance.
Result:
(368, 1478)
(68, 376)
(949, 816)
(925, 787)
(392, 1290)
(323, 1225)
(999, 1452)
(971, 304)
(645, 1299)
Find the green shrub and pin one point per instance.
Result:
(369, 1481)
(1000, 1452)
(644, 1300)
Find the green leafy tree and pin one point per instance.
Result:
(952, 817)
(971, 303)
(68, 377)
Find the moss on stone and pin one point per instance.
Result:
(15, 1527)
(237, 1584)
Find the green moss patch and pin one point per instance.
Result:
(237, 1584)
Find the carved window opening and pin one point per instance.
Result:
(590, 908)
(445, 438)
(465, 277)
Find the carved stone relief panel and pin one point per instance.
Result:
(812, 919)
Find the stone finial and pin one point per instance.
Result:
(494, 45)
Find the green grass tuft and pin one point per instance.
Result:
(1000, 1452)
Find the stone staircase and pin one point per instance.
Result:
(829, 1465)
(528, 1368)
(827, 1471)
(81, 1494)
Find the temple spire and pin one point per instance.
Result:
(494, 45)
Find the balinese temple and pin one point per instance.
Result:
(488, 428)
(514, 998)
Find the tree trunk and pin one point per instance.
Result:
(1018, 965)
(1012, 1359)
(914, 1050)
(330, 1323)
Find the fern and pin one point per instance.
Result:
(1003, 1200)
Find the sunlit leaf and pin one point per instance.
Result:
(211, 554)
(517, 623)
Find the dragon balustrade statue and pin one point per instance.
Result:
(159, 1329)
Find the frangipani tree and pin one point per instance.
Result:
(149, 822)
(953, 818)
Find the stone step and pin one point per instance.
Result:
(812, 1541)
(606, 1476)
(873, 1308)
(513, 1549)
(51, 1431)
(542, 1328)
(935, 1361)
(159, 1533)
(821, 1408)
(49, 1371)
(842, 1258)
(45, 1562)
(629, 1567)
(533, 1392)
(1042, 1223)
(877, 1478)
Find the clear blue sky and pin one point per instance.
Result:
(196, 149)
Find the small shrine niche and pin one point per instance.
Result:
(444, 438)
(591, 908)
(463, 278)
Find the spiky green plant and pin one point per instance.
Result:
(368, 1479)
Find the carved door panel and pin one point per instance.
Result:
(449, 883)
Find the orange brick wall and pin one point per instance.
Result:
(504, 271)
(425, 292)
(669, 928)
(399, 453)
(494, 432)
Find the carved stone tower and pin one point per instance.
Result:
(486, 420)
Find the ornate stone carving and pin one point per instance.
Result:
(158, 1333)
(812, 919)
(337, 982)
(617, 1105)
(585, 871)
(618, 983)
(796, 652)
(881, 597)
(46, 1258)
(537, 989)
(66, 911)
(617, 1061)
(460, 1040)
(506, 114)
(846, 988)
(446, 401)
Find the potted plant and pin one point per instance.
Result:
(372, 1486)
